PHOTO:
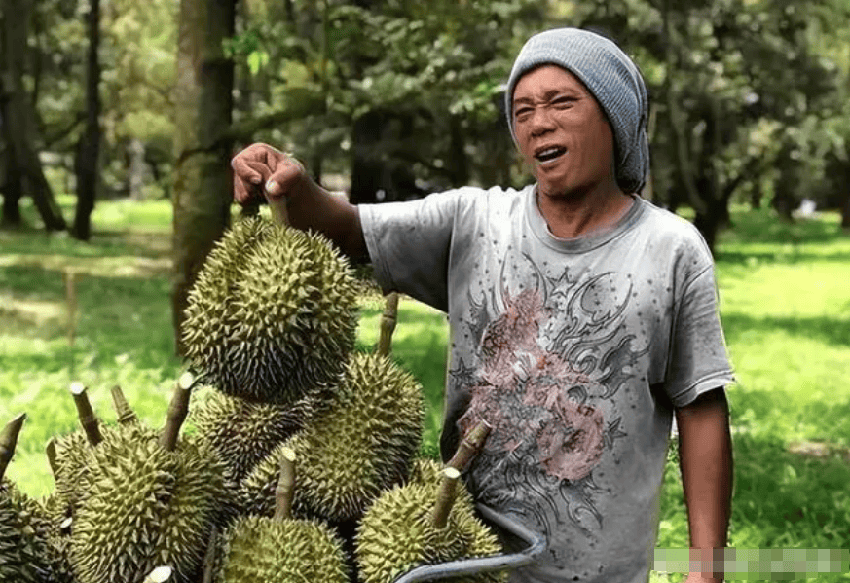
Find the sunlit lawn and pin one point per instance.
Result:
(785, 302)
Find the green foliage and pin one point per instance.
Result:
(762, 86)
(430, 63)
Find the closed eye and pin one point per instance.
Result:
(522, 112)
(563, 101)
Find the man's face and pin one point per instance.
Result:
(563, 133)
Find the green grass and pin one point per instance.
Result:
(785, 303)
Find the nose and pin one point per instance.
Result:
(541, 120)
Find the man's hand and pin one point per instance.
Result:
(262, 171)
(699, 578)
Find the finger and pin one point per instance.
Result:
(273, 157)
(282, 180)
(261, 169)
(247, 171)
(248, 180)
(240, 194)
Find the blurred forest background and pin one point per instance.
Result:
(118, 120)
(750, 101)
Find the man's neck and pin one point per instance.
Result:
(570, 217)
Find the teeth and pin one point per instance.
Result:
(549, 153)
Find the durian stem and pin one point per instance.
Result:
(159, 575)
(279, 212)
(9, 441)
(209, 556)
(388, 322)
(85, 413)
(122, 406)
(50, 450)
(471, 444)
(285, 491)
(65, 526)
(445, 498)
(178, 410)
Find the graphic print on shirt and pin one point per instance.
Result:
(552, 355)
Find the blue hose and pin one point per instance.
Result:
(536, 545)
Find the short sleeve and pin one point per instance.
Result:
(409, 245)
(698, 357)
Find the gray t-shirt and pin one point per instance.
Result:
(575, 351)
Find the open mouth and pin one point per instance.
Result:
(548, 155)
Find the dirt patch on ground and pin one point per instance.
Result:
(819, 450)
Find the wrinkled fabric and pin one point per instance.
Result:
(575, 351)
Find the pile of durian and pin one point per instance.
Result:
(300, 461)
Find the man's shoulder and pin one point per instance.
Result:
(673, 231)
(475, 203)
(667, 221)
(477, 195)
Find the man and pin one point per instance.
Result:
(582, 317)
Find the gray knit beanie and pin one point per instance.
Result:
(611, 77)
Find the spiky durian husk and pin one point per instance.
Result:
(208, 327)
(22, 552)
(426, 471)
(396, 535)
(243, 433)
(273, 313)
(50, 521)
(73, 456)
(290, 551)
(72, 452)
(146, 507)
(360, 445)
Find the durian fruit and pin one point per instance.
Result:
(242, 432)
(418, 524)
(51, 528)
(69, 454)
(152, 500)
(22, 551)
(58, 542)
(282, 549)
(273, 313)
(359, 445)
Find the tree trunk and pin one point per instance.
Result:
(712, 221)
(202, 188)
(12, 193)
(136, 169)
(458, 162)
(845, 213)
(89, 145)
(678, 119)
(18, 117)
(366, 171)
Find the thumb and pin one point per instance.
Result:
(284, 179)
